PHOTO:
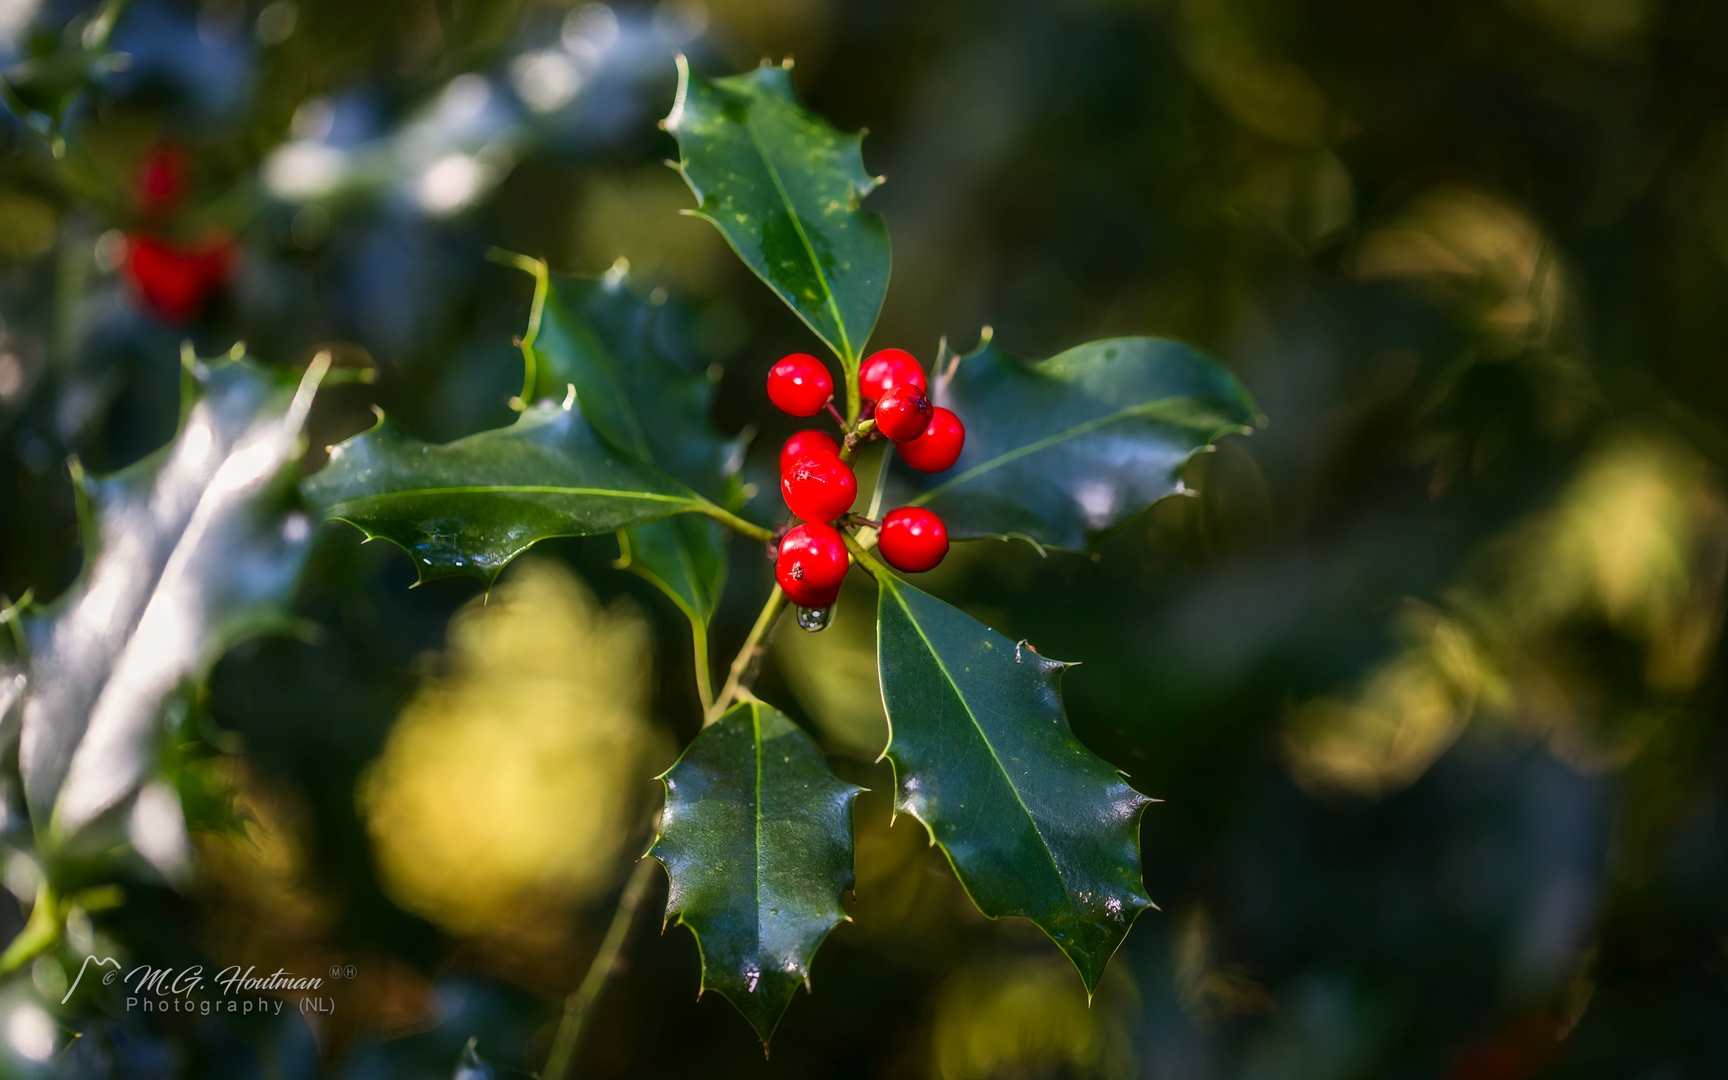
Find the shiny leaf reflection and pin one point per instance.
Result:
(189, 550)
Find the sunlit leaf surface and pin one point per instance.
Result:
(191, 549)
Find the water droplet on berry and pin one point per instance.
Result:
(814, 619)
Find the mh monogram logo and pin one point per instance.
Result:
(107, 978)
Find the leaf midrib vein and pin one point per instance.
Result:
(756, 821)
(1034, 447)
(1000, 767)
(506, 489)
(803, 238)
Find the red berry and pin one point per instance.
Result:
(809, 598)
(939, 447)
(175, 281)
(811, 565)
(887, 369)
(803, 442)
(913, 539)
(903, 413)
(800, 385)
(819, 486)
(161, 179)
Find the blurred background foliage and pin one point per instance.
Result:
(1429, 672)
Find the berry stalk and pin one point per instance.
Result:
(743, 663)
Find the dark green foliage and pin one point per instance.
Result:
(1067, 451)
(604, 340)
(1035, 824)
(785, 189)
(470, 506)
(756, 838)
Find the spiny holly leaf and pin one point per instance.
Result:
(1067, 451)
(470, 506)
(1034, 823)
(786, 189)
(757, 841)
(190, 549)
(611, 345)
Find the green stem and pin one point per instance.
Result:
(38, 935)
(746, 656)
(542, 276)
(854, 403)
(9, 613)
(875, 513)
(579, 1008)
(862, 554)
(704, 677)
(736, 523)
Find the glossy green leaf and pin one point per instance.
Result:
(189, 550)
(470, 506)
(47, 83)
(618, 351)
(757, 841)
(786, 190)
(1067, 451)
(1034, 823)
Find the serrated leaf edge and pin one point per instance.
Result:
(1148, 410)
(694, 504)
(849, 356)
(1053, 669)
(671, 916)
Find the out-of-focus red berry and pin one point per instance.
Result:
(811, 564)
(173, 280)
(903, 413)
(883, 371)
(803, 442)
(818, 486)
(939, 447)
(800, 385)
(162, 179)
(913, 539)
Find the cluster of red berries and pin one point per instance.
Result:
(818, 483)
(173, 278)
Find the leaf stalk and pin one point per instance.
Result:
(736, 523)
(542, 275)
(579, 1007)
(743, 662)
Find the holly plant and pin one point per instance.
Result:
(614, 437)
